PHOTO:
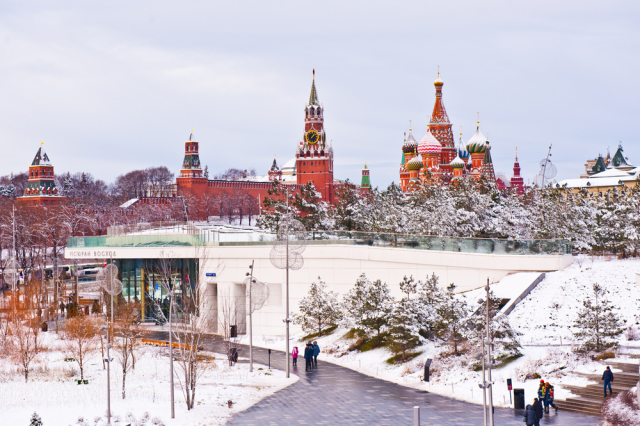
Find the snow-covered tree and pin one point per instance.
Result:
(403, 327)
(35, 420)
(313, 210)
(319, 309)
(206, 172)
(449, 322)
(597, 324)
(408, 286)
(277, 203)
(368, 305)
(504, 339)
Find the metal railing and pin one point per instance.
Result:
(212, 237)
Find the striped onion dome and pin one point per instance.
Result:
(414, 164)
(410, 145)
(429, 145)
(414, 185)
(478, 143)
(457, 163)
(462, 151)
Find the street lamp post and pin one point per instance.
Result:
(250, 317)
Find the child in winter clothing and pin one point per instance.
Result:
(294, 355)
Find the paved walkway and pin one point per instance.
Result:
(334, 395)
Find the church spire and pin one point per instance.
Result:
(313, 97)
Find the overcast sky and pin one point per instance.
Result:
(116, 86)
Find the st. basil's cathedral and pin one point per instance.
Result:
(437, 158)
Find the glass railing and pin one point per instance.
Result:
(415, 242)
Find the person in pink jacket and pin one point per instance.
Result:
(294, 355)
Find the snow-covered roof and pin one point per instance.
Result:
(609, 173)
(129, 203)
(289, 167)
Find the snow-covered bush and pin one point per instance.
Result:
(622, 410)
(632, 333)
(550, 365)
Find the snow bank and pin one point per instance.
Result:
(54, 394)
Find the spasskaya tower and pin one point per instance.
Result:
(314, 155)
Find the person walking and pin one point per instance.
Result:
(548, 397)
(537, 407)
(316, 352)
(294, 356)
(308, 356)
(541, 391)
(530, 416)
(607, 378)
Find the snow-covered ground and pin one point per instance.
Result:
(53, 392)
(540, 323)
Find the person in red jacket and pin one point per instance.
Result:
(294, 355)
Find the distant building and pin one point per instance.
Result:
(41, 187)
(605, 173)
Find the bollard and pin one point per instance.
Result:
(416, 416)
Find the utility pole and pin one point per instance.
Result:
(251, 318)
(490, 384)
(15, 252)
(171, 294)
(109, 337)
(287, 287)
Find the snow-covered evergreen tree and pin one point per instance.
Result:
(319, 309)
(597, 324)
(504, 339)
(277, 203)
(35, 420)
(206, 172)
(408, 286)
(403, 327)
(313, 210)
(368, 305)
(450, 320)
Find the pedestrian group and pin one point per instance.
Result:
(533, 413)
(311, 352)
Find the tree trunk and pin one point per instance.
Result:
(124, 379)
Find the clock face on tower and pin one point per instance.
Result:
(312, 137)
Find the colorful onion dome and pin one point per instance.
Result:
(414, 164)
(457, 163)
(429, 145)
(414, 185)
(410, 145)
(462, 151)
(478, 143)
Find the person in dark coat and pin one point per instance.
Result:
(316, 352)
(308, 356)
(607, 378)
(530, 416)
(537, 407)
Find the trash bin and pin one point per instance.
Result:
(518, 399)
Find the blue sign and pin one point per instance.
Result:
(211, 274)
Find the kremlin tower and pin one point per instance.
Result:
(517, 183)
(314, 156)
(41, 187)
